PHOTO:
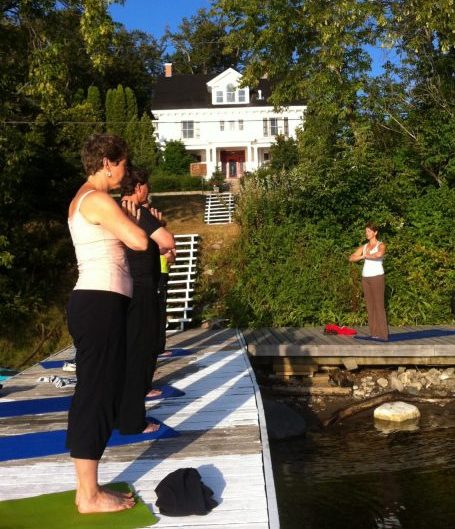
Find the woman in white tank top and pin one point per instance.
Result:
(97, 315)
(373, 281)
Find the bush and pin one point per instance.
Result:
(291, 269)
(163, 182)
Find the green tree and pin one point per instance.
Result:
(199, 45)
(284, 153)
(176, 159)
(144, 148)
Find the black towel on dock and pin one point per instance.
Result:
(182, 493)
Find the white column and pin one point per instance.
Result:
(256, 157)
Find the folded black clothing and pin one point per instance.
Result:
(182, 493)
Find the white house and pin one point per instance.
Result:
(222, 125)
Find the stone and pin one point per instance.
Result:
(415, 385)
(401, 369)
(282, 421)
(383, 382)
(388, 427)
(397, 411)
(208, 272)
(216, 246)
(404, 378)
(395, 383)
(447, 373)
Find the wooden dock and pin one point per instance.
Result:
(220, 419)
(308, 347)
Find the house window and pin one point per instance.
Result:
(273, 127)
(240, 124)
(219, 96)
(231, 125)
(266, 156)
(265, 127)
(230, 93)
(221, 125)
(286, 126)
(188, 129)
(242, 95)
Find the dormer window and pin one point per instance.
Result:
(225, 89)
(230, 93)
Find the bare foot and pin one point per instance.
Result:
(151, 427)
(104, 501)
(117, 493)
(154, 393)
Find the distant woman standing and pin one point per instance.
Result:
(97, 314)
(373, 281)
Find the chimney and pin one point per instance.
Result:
(167, 69)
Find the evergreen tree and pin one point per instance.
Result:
(145, 149)
(109, 110)
(131, 110)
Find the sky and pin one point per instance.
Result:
(152, 16)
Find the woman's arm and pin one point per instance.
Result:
(164, 239)
(377, 255)
(357, 255)
(100, 208)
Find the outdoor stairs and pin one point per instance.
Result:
(182, 276)
(219, 208)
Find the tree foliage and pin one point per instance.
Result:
(199, 46)
(59, 58)
(373, 147)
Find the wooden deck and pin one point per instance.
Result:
(427, 345)
(222, 428)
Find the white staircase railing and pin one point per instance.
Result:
(182, 276)
(219, 208)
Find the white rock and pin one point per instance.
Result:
(396, 411)
(447, 373)
(383, 382)
(395, 384)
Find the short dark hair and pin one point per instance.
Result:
(133, 176)
(372, 226)
(100, 146)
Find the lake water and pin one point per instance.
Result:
(354, 476)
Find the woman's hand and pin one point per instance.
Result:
(131, 210)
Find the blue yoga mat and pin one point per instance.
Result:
(176, 352)
(55, 404)
(43, 444)
(167, 392)
(54, 364)
(58, 364)
(414, 335)
(34, 406)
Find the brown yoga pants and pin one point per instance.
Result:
(373, 289)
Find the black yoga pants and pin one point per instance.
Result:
(97, 324)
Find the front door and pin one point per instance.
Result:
(232, 162)
(232, 168)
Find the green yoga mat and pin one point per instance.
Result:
(57, 511)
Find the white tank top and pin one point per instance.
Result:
(372, 268)
(101, 257)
